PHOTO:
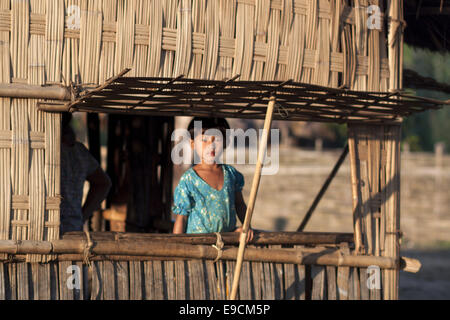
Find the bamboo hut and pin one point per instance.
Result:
(320, 60)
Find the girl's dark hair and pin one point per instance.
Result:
(210, 123)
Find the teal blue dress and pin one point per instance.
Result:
(208, 210)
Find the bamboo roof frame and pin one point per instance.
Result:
(231, 98)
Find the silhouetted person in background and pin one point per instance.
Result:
(77, 166)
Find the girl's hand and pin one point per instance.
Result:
(180, 224)
(249, 233)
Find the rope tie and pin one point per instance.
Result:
(218, 246)
(87, 249)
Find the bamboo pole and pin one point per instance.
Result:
(16, 90)
(153, 250)
(52, 107)
(395, 58)
(229, 238)
(253, 192)
(355, 191)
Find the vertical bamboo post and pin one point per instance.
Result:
(392, 210)
(392, 219)
(354, 167)
(253, 192)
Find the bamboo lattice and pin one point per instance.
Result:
(242, 99)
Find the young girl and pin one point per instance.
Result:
(209, 195)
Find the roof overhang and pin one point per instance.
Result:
(242, 99)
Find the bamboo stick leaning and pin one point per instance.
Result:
(253, 193)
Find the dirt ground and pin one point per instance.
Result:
(433, 279)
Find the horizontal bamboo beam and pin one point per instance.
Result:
(187, 110)
(16, 90)
(410, 265)
(260, 238)
(52, 107)
(140, 248)
(79, 257)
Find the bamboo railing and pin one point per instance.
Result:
(157, 266)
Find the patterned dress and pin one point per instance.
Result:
(208, 210)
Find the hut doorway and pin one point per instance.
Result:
(137, 157)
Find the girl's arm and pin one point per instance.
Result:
(180, 224)
(241, 209)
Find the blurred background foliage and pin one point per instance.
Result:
(422, 130)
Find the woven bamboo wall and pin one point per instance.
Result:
(182, 280)
(375, 162)
(311, 41)
(29, 140)
(61, 41)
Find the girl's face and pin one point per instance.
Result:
(208, 147)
